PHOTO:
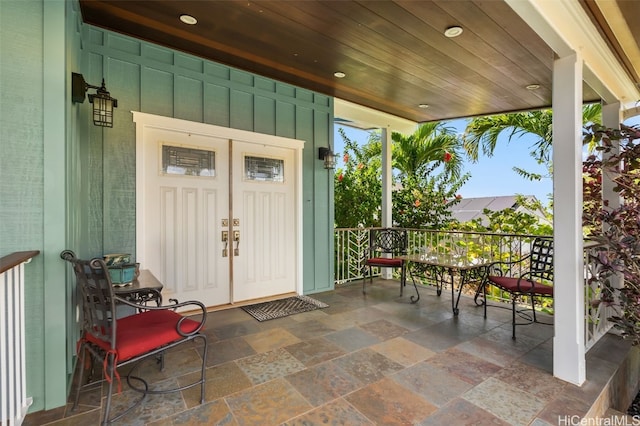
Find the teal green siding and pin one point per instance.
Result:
(32, 181)
(156, 80)
(65, 183)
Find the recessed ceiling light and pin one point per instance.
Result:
(454, 31)
(533, 87)
(423, 106)
(339, 74)
(188, 19)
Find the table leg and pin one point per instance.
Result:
(454, 300)
(413, 298)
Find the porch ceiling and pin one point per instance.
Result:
(394, 53)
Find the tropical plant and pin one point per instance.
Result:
(481, 134)
(619, 254)
(426, 176)
(431, 144)
(358, 188)
(429, 170)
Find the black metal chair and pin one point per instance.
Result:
(530, 276)
(116, 342)
(385, 245)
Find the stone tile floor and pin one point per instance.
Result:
(373, 359)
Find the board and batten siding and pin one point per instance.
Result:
(153, 79)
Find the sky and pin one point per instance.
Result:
(490, 176)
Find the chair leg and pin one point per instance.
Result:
(364, 280)
(513, 317)
(204, 369)
(83, 354)
(533, 308)
(107, 407)
(484, 294)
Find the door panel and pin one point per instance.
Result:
(265, 264)
(183, 219)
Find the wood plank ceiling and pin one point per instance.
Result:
(394, 53)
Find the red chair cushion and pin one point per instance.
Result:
(511, 284)
(140, 333)
(383, 261)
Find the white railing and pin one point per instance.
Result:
(13, 394)
(596, 314)
(351, 245)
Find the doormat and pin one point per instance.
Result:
(284, 307)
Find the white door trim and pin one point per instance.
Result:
(144, 121)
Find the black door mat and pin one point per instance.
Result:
(284, 307)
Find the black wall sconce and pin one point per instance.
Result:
(103, 103)
(329, 158)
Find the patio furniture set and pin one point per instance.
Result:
(529, 276)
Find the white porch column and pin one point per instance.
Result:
(387, 216)
(568, 344)
(611, 117)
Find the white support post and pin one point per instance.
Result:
(387, 216)
(569, 362)
(611, 118)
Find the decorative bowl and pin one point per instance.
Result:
(122, 274)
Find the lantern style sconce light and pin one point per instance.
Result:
(103, 103)
(329, 158)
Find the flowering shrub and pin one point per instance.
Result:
(619, 255)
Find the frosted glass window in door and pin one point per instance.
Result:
(263, 169)
(178, 160)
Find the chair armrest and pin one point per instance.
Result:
(530, 276)
(497, 265)
(172, 307)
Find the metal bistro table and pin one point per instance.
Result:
(442, 268)
(143, 289)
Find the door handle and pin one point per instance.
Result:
(225, 240)
(236, 238)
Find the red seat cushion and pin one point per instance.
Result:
(140, 333)
(383, 261)
(511, 284)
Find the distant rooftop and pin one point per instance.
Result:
(472, 208)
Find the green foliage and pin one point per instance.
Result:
(481, 134)
(619, 255)
(426, 176)
(358, 187)
(426, 203)
(432, 144)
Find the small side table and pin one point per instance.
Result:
(145, 288)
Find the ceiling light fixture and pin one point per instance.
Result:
(454, 31)
(339, 74)
(423, 106)
(532, 86)
(188, 19)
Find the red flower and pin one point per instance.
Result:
(447, 157)
(416, 203)
(458, 197)
(340, 177)
(345, 158)
(360, 166)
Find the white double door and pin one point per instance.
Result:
(217, 216)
